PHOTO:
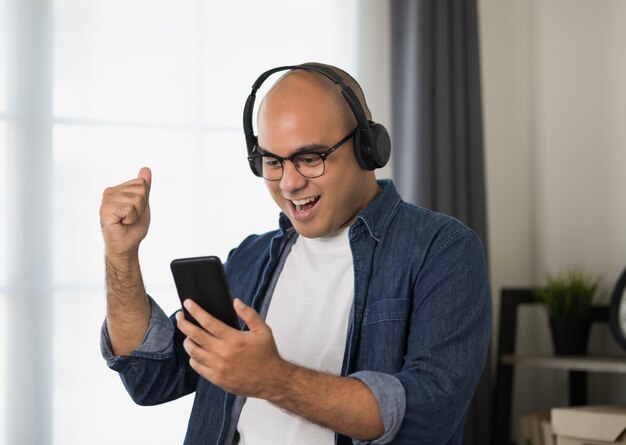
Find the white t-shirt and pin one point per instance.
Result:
(308, 314)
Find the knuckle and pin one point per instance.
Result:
(136, 200)
(228, 354)
(128, 210)
(220, 367)
(131, 197)
(239, 344)
(189, 346)
(202, 319)
(106, 194)
(194, 330)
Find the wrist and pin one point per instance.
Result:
(122, 261)
(123, 274)
(281, 383)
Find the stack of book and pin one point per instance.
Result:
(537, 429)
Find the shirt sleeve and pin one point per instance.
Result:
(157, 343)
(391, 399)
(449, 336)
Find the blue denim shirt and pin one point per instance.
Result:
(418, 334)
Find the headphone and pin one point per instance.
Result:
(372, 145)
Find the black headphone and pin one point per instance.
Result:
(372, 145)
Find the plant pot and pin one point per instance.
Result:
(570, 337)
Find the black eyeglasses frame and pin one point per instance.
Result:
(322, 154)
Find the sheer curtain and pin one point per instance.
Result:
(99, 88)
(3, 236)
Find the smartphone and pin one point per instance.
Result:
(203, 280)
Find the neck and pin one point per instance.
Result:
(371, 192)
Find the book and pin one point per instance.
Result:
(537, 429)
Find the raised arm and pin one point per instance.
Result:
(125, 218)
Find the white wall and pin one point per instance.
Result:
(374, 73)
(505, 53)
(554, 100)
(580, 140)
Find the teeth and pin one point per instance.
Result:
(300, 202)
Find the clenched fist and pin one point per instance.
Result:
(125, 215)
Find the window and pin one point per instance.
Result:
(161, 84)
(2, 221)
(2, 272)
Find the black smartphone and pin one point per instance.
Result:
(203, 280)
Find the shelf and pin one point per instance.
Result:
(587, 363)
(577, 367)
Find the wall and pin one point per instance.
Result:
(554, 98)
(580, 141)
(374, 73)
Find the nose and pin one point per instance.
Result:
(292, 180)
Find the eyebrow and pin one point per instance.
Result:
(303, 149)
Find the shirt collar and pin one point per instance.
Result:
(378, 213)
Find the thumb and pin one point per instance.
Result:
(146, 174)
(249, 316)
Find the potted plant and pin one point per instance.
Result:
(569, 297)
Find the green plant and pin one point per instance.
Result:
(570, 295)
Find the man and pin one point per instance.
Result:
(366, 319)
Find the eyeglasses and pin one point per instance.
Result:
(309, 163)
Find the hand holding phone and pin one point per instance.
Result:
(202, 279)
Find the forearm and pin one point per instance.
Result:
(342, 404)
(128, 308)
(247, 363)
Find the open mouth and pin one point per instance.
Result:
(305, 203)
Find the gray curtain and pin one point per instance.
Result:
(437, 130)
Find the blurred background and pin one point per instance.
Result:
(92, 90)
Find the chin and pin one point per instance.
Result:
(309, 232)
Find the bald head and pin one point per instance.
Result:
(349, 81)
(300, 83)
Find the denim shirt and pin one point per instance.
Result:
(418, 335)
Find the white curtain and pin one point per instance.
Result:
(90, 91)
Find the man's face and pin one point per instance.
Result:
(290, 120)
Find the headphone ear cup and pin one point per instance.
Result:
(357, 141)
(255, 171)
(381, 146)
(372, 147)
